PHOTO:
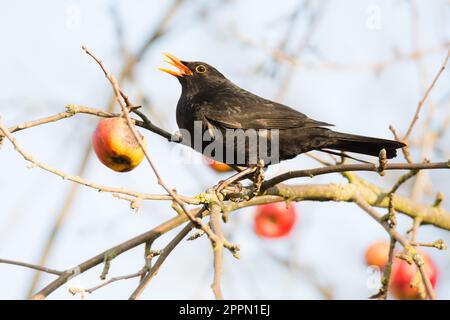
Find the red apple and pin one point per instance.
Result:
(115, 145)
(378, 254)
(404, 274)
(274, 220)
(217, 165)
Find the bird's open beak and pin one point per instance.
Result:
(182, 69)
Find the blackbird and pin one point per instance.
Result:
(211, 109)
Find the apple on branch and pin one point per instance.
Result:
(116, 146)
(406, 281)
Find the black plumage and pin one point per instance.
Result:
(219, 106)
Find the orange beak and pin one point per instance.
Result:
(174, 61)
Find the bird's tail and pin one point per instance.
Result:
(364, 145)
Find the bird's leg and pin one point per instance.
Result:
(258, 177)
(225, 183)
(234, 178)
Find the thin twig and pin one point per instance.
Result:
(162, 257)
(385, 280)
(218, 252)
(114, 279)
(73, 109)
(402, 180)
(414, 229)
(405, 149)
(32, 266)
(425, 96)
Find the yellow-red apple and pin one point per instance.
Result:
(116, 146)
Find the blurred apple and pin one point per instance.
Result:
(378, 254)
(274, 220)
(217, 165)
(116, 146)
(404, 275)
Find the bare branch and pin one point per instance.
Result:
(32, 266)
(372, 194)
(107, 282)
(162, 257)
(425, 96)
(116, 250)
(351, 167)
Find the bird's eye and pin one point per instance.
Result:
(200, 68)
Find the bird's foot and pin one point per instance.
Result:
(231, 186)
(233, 179)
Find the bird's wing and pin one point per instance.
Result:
(245, 110)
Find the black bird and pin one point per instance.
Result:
(219, 107)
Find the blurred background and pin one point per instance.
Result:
(361, 65)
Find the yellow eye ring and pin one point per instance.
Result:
(200, 69)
